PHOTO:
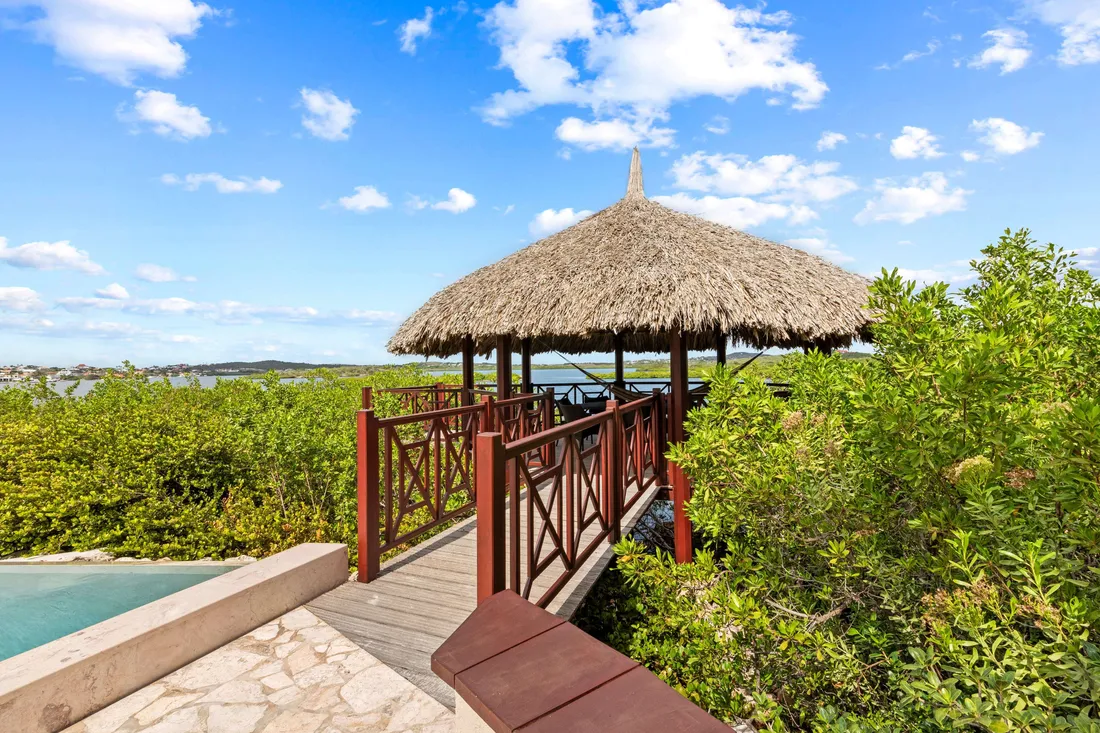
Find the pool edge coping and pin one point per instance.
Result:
(52, 686)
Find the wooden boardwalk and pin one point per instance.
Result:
(422, 595)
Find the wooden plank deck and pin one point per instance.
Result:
(422, 595)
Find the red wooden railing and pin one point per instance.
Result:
(523, 415)
(415, 473)
(415, 400)
(641, 426)
(561, 510)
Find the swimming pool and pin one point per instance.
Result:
(40, 602)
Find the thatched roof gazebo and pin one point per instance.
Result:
(640, 277)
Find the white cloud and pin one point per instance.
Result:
(19, 299)
(414, 29)
(1004, 137)
(1086, 257)
(718, 125)
(915, 142)
(1009, 49)
(151, 273)
(821, 248)
(226, 311)
(739, 212)
(930, 49)
(778, 177)
(926, 195)
(164, 114)
(632, 65)
(1079, 23)
(549, 221)
(114, 291)
(118, 39)
(244, 184)
(49, 256)
(969, 156)
(929, 276)
(457, 201)
(365, 198)
(616, 134)
(829, 140)
(327, 116)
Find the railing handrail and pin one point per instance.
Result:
(636, 405)
(521, 399)
(538, 440)
(429, 415)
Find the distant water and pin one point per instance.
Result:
(538, 376)
(86, 385)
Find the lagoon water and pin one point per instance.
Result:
(538, 375)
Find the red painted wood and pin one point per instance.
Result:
(538, 676)
(681, 488)
(525, 383)
(368, 399)
(490, 493)
(620, 379)
(548, 422)
(504, 367)
(614, 466)
(503, 621)
(467, 370)
(635, 702)
(368, 499)
(660, 436)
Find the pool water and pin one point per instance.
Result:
(40, 603)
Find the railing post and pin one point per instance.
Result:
(490, 516)
(547, 424)
(613, 472)
(487, 413)
(367, 478)
(440, 399)
(368, 399)
(660, 435)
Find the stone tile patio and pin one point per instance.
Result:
(294, 675)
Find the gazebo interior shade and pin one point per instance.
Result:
(633, 274)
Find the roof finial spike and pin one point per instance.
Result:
(634, 188)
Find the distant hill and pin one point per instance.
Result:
(261, 366)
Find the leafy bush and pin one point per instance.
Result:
(912, 541)
(147, 469)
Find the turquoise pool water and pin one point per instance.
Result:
(40, 603)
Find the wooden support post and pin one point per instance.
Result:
(368, 399)
(440, 401)
(490, 515)
(678, 406)
(370, 559)
(620, 377)
(720, 348)
(467, 370)
(526, 385)
(504, 367)
(614, 466)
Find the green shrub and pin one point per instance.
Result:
(147, 469)
(912, 541)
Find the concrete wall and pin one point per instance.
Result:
(48, 688)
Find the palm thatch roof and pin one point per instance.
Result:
(642, 270)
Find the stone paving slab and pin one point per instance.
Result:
(294, 675)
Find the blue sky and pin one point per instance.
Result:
(244, 180)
